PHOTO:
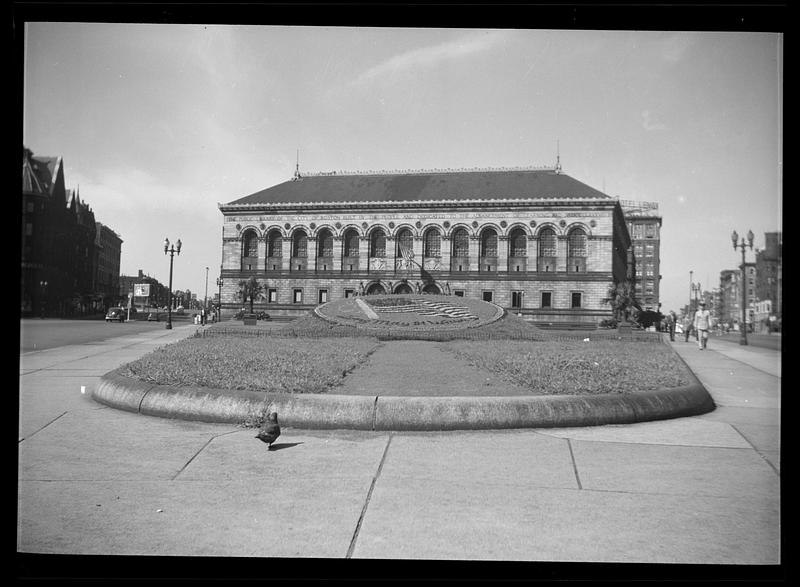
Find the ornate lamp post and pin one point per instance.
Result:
(742, 245)
(219, 285)
(696, 290)
(205, 299)
(176, 248)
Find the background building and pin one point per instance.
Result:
(159, 293)
(644, 227)
(731, 296)
(533, 240)
(59, 257)
(769, 274)
(108, 251)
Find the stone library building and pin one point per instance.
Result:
(532, 240)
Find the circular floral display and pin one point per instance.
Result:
(409, 311)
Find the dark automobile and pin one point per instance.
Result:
(259, 315)
(119, 314)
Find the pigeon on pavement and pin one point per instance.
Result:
(270, 430)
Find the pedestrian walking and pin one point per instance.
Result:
(687, 327)
(202, 316)
(702, 324)
(672, 319)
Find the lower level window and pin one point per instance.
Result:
(459, 293)
(576, 299)
(298, 296)
(348, 293)
(547, 299)
(516, 299)
(487, 296)
(272, 295)
(323, 296)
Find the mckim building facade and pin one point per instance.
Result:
(532, 240)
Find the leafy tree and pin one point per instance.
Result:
(250, 289)
(649, 317)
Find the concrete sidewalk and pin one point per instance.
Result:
(702, 489)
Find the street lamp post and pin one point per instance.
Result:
(205, 299)
(742, 245)
(176, 248)
(691, 288)
(696, 289)
(219, 285)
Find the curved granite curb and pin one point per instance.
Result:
(401, 413)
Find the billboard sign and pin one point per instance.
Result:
(141, 290)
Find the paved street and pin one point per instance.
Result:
(698, 490)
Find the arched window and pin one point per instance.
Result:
(275, 244)
(432, 243)
(460, 243)
(300, 244)
(547, 243)
(576, 243)
(489, 243)
(377, 243)
(325, 243)
(405, 241)
(518, 243)
(250, 244)
(351, 243)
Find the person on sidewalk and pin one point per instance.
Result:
(687, 327)
(672, 320)
(702, 324)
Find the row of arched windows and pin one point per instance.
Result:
(431, 243)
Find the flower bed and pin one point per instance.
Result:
(257, 364)
(577, 367)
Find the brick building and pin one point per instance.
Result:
(644, 227)
(60, 272)
(108, 251)
(769, 273)
(730, 297)
(533, 240)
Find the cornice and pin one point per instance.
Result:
(483, 203)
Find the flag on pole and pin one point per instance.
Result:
(407, 253)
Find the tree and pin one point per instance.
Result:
(250, 289)
(622, 299)
(649, 317)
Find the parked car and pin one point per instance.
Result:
(119, 314)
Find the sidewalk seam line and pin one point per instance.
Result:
(758, 452)
(353, 540)
(183, 468)
(574, 464)
(42, 428)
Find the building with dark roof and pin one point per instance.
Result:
(59, 273)
(533, 240)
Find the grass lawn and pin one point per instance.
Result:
(287, 365)
(286, 361)
(577, 367)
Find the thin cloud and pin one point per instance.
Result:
(429, 56)
(649, 124)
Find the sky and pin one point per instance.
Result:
(159, 123)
